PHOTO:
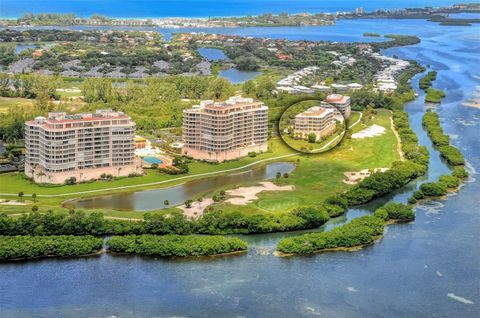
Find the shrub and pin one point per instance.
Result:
(313, 216)
(450, 182)
(397, 211)
(359, 231)
(453, 156)
(334, 210)
(460, 172)
(25, 247)
(418, 195)
(434, 95)
(433, 189)
(71, 181)
(175, 245)
(426, 81)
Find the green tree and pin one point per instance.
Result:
(166, 203)
(188, 204)
(278, 175)
(312, 138)
(34, 197)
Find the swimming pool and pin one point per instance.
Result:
(152, 160)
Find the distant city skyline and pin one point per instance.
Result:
(200, 8)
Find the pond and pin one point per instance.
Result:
(212, 54)
(237, 77)
(153, 199)
(22, 47)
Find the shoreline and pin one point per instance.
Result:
(355, 248)
(25, 259)
(234, 253)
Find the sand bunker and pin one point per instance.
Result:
(372, 131)
(11, 202)
(354, 177)
(245, 195)
(197, 208)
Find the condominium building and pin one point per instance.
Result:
(219, 131)
(83, 146)
(341, 102)
(317, 120)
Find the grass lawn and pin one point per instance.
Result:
(13, 183)
(7, 103)
(316, 176)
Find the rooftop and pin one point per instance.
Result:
(336, 98)
(62, 117)
(316, 111)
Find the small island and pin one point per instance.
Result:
(176, 245)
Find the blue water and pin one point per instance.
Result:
(199, 8)
(22, 47)
(409, 273)
(152, 160)
(237, 77)
(212, 54)
(464, 16)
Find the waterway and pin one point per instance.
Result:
(154, 199)
(410, 273)
(199, 8)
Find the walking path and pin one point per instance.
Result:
(173, 179)
(399, 141)
(158, 182)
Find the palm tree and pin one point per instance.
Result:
(34, 197)
(20, 196)
(278, 176)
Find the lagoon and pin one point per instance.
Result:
(153, 199)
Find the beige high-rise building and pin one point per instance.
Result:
(83, 146)
(341, 102)
(219, 131)
(317, 120)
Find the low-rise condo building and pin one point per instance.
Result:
(84, 146)
(317, 120)
(341, 102)
(219, 131)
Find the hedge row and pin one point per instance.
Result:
(426, 81)
(26, 247)
(175, 245)
(431, 122)
(360, 231)
(381, 183)
(434, 95)
(455, 159)
(212, 222)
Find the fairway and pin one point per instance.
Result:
(318, 176)
(277, 203)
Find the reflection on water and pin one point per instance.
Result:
(153, 199)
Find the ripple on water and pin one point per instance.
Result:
(431, 207)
